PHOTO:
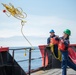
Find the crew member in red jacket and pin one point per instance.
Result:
(63, 47)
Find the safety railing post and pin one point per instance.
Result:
(13, 55)
(13, 62)
(30, 61)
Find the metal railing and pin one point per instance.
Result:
(30, 49)
(30, 58)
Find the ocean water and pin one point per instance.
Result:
(19, 55)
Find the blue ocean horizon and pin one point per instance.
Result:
(19, 55)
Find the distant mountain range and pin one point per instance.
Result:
(20, 41)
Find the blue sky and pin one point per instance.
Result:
(42, 15)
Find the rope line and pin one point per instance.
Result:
(25, 36)
(18, 14)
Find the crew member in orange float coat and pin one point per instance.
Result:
(52, 35)
(63, 47)
(53, 39)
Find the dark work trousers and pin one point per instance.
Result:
(71, 64)
(64, 62)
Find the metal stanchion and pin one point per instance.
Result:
(13, 55)
(30, 61)
(13, 63)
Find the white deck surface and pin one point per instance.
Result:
(54, 72)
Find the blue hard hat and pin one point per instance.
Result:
(52, 31)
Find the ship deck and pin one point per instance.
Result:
(54, 72)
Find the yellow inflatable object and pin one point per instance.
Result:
(24, 54)
(16, 12)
